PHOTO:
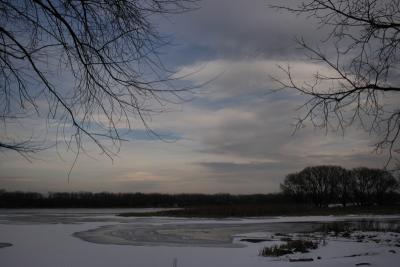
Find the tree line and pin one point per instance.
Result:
(317, 185)
(324, 185)
(18, 199)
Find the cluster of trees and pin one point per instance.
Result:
(20, 199)
(324, 185)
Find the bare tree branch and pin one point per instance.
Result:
(107, 52)
(363, 69)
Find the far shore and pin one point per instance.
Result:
(226, 211)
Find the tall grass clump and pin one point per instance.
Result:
(291, 246)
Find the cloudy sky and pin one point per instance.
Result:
(233, 135)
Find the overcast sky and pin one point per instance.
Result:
(232, 136)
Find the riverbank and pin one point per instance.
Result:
(225, 211)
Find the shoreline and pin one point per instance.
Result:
(243, 211)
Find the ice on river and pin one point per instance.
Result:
(58, 238)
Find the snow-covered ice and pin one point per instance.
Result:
(58, 240)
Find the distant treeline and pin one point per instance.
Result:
(129, 200)
(319, 186)
(324, 185)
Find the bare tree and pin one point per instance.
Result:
(106, 52)
(373, 186)
(344, 182)
(365, 181)
(321, 185)
(362, 54)
(294, 186)
(328, 184)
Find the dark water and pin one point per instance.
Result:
(380, 225)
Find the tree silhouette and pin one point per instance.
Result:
(107, 55)
(362, 55)
(328, 184)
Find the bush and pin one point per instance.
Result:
(291, 246)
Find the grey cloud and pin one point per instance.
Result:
(261, 135)
(370, 159)
(253, 177)
(248, 79)
(223, 167)
(264, 170)
(267, 134)
(5, 179)
(243, 29)
(235, 137)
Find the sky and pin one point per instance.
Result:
(232, 135)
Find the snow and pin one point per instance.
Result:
(54, 243)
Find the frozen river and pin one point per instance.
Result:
(87, 237)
